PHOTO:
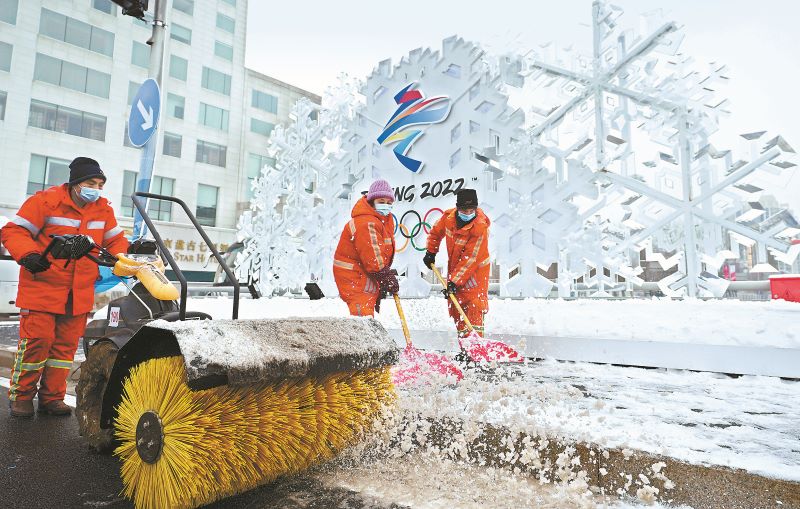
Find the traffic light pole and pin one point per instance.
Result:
(155, 71)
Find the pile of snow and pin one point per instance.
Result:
(713, 322)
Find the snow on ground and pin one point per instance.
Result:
(713, 322)
(423, 480)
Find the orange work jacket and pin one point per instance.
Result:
(366, 246)
(468, 263)
(52, 212)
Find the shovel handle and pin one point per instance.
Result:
(453, 299)
(406, 333)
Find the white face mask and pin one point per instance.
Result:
(383, 208)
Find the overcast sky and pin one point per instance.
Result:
(308, 43)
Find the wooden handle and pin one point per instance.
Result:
(453, 299)
(406, 333)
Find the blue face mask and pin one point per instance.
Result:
(383, 208)
(466, 217)
(89, 195)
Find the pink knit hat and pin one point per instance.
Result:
(380, 189)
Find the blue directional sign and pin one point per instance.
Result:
(145, 112)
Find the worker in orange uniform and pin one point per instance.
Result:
(466, 229)
(54, 299)
(363, 259)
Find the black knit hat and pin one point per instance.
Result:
(466, 199)
(84, 168)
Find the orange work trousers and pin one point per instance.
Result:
(47, 345)
(362, 304)
(475, 310)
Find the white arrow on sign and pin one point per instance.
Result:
(147, 115)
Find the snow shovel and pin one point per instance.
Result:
(477, 348)
(415, 363)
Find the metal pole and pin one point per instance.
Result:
(156, 71)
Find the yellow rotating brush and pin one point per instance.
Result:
(183, 448)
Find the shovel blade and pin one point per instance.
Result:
(487, 350)
(416, 366)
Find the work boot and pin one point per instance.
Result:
(57, 407)
(22, 408)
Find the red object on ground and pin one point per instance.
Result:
(487, 350)
(785, 286)
(415, 365)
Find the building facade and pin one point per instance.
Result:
(69, 70)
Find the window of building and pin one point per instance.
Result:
(106, 6)
(230, 2)
(129, 179)
(175, 105)
(5, 56)
(140, 55)
(61, 119)
(3, 99)
(255, 163)
(211, 116)
(78, 33)
(264, 101)
(172, 144)
(211, 153)
(186, 6)
(133, 87)
(178, 67)
(260, 127)
(126, 140)
(46, 172)
(216, 81)
(180, 33)
(72, 76)
(161, 210)
(207, 204)
(226, 23)
(8, 11)
(223, 50)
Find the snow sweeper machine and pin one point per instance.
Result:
(198, 409)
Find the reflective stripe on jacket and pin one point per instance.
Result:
(468, 261)
(52, 212)
(366, 246)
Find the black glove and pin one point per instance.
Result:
(429, 259)
(387, 280)
(450, 290)
(378, 302)
(35, 262)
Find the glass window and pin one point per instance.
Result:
(230, 2)
(8, 11)
(260, 127)
(53, 117)
(226, 23)
(161, 210)
(216, 81)
(53, 24)
(255, 163)
(264, 101)
(175, 105)
(72, 31)
(207, 204)
(172, 144)
(126, 141)
(180, 33)
(211, 153)
(46, 172)
(73, 76)
(223, 50)
(5, 56)
(186, 6)
(178, 67)
(212, 116)
(133, 87)
(3, 99)
(140, 55)
(128, 188)
(106, 6)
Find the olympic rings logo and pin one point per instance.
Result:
(423, 224)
